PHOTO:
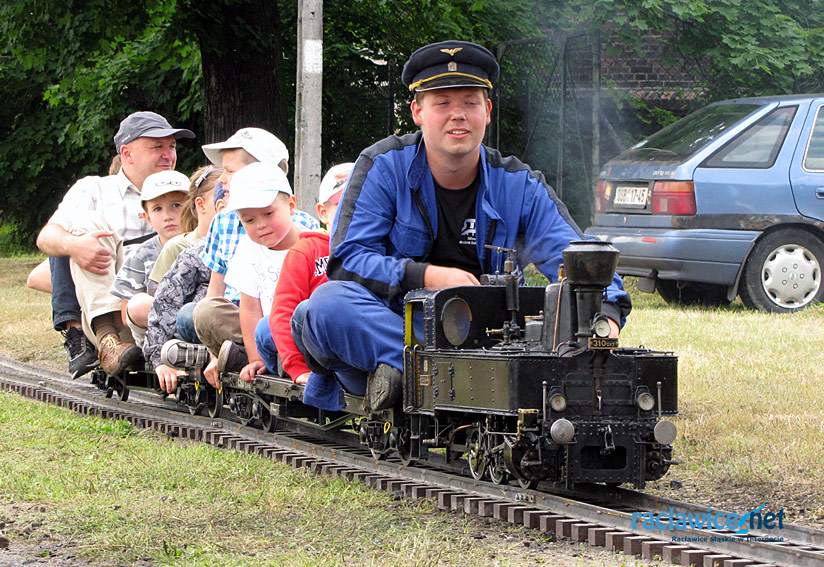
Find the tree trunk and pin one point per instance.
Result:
(241, 53)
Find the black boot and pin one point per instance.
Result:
(82, 354)
(232, 357)
(383, 387)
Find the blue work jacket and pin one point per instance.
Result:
(387, 221)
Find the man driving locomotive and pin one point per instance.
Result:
(418, 211)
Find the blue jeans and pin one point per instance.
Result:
(265, 345)
(349, 330)
(64, 297)
(185, 323)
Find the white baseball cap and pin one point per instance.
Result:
(163, 182)
(333, 183)
(256, 186)
(260, 144)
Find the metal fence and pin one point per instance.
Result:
(567, 104)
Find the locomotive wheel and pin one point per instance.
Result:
(528, 484)
(268, 421)
(405, 455)
(123, 393)
(215, 403)
(405, 450)
(497, 471)
(476, 455)
(109, 392)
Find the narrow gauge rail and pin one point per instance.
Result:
(597, 514)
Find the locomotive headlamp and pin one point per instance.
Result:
(457, 320)
(557, 402)
(645, 401)
(601, 327)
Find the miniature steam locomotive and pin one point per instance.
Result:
(514, 382)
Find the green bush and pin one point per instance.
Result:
(10, 241)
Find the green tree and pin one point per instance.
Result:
(73, 70)
(743, 47)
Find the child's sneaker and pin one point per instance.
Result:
(180, 354)
(232, 357)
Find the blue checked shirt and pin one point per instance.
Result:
(224, 234)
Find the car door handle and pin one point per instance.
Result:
(819, 192)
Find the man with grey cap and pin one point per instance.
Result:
(419, 211)
(94, 226)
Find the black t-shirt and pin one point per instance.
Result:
(455, 245)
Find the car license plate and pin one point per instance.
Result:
(631, 196)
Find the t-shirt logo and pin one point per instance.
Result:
(320, 265)
(468, 232)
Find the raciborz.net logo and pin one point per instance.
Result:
(740, 524)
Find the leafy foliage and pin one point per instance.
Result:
(366, 44)
(745, 48)
(68, 100)
(70, 70)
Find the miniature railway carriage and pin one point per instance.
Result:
(514, 382)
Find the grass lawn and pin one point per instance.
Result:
(750, 430)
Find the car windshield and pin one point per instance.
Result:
(678, 141)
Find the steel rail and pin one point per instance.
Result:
(601, 515)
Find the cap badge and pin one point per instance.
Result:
(452, 52)
(452, 66)
(246, 134)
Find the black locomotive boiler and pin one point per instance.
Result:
(506, 381)
(525, 382)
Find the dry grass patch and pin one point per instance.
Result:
(25, 317)
(750, 398)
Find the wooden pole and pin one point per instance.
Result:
(596, 117)
(308, 104)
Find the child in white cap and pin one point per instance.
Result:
(304, 269)
(163, 197)
(263, 199)
(244, 147)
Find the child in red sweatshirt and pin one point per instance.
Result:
(304, 269)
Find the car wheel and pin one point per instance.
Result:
(692, 293)
(783, 272)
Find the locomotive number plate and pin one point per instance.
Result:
(599, 343)
(425, 380)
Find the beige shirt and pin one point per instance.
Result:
(114, 196)
(171, 250)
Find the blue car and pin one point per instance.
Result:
(727, 201)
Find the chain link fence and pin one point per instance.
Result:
(567, 104)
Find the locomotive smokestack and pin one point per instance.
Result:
(590, 265)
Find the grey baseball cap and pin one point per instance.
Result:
(146, 124)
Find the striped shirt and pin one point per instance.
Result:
(133, 276)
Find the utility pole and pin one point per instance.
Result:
(308, 99)
(596, 118)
